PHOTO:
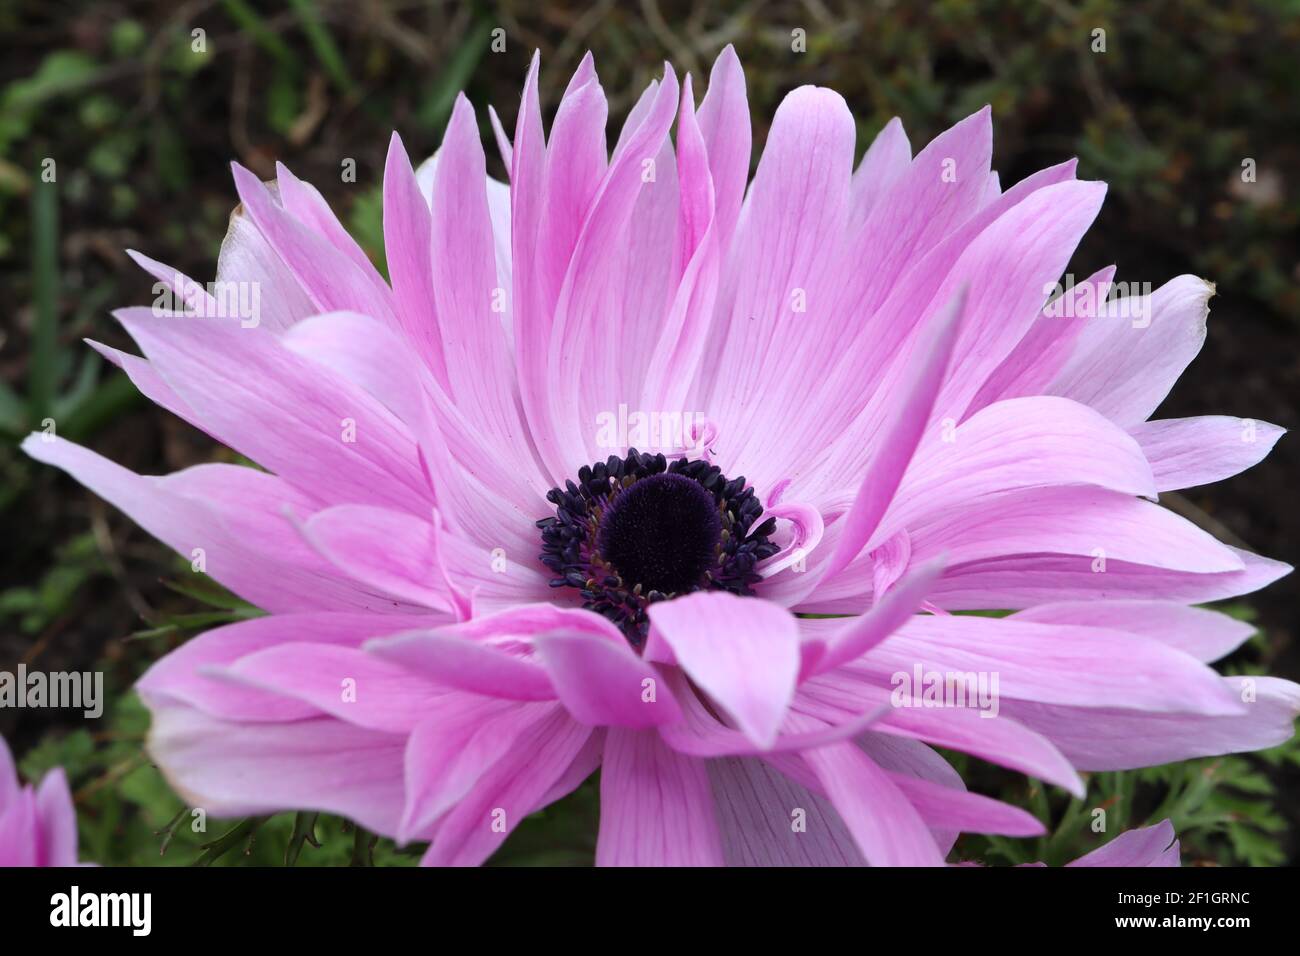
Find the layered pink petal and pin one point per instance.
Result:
(1002, 741)
(1117, 738)
(229, 522)
(247, 262)
(1051, 663)
(774, 311)
(333, 280)
(471, 304)
(743, 652)
(368, 354)
(656, 806)
(185, 675)
(444, 655)
(765, 818)
(1127, 359)
(522, 781)
(604, 683)
(885, 825)
(286, 412)
(344, 682)
(1205, 635)
(238, 769)
(1022, 581)
(391, 552)
(459, 740)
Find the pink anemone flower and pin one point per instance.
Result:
(38, 826)
(633, 464)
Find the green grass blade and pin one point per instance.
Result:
(323, 45)
(43, 372)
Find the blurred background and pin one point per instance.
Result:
(142, 106)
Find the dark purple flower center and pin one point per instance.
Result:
(635, 530)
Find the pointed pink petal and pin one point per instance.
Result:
(1149, 846)
(575, 165)
(246, 262)
(1021, 581)
(939, 191)
(903, 758)
(445, 656)
(724, 127)
(1002, 741)
(229, 518)
(305, 203)
(502, 138)
(683, 335)
(582, 377)
(959, 810)
(408, 229)
(1127, 359)
(883, 164)
(56, 820)
(1185, 452)
(150, 384)
(196, 298)
(864, 632)
(743, 652)
(469, 299)
(900, 435)
(344, 682)
(780, 280)
(1006, 269)
(1074, 520)
(886, 827)
(184, 675)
